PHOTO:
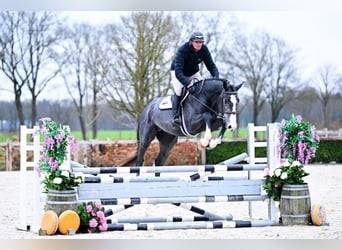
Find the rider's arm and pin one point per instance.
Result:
(209, 63)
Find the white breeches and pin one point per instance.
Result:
(177, 85)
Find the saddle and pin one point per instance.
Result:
(166, 103)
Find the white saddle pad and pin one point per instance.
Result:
(166, 103)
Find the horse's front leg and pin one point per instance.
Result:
(214, 142)
(204, 142)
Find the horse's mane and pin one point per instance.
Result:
(224, 81)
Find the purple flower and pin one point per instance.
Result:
(299, 118)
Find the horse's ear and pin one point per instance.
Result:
(239, 86)
(225, 84)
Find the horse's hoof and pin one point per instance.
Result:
(212, 144)
(202, 142)
(200, 146)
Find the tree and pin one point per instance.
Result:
(140, 54)
(26, 42)
(249, 55)
(75, 70)
(283, 73)
(268, 65)
(328, 80)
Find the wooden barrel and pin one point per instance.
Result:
(61, 200)
(295, 205)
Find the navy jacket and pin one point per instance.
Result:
(186, 62)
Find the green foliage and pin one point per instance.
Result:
(230, 149)
(328, 151)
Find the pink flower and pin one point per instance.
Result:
(299, 118)
(93, 223)
(89, 208)
(267, 171)
(98, 204)
(103, 227)
(100, 214)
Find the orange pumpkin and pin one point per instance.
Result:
(68, 220)
(49, 222)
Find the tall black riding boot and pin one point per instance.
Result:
(175, 109)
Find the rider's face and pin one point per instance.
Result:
(197, 45)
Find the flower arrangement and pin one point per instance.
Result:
(53, 154)
(92, 217)
(298, 140)
(287, 173)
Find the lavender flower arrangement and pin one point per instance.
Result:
(298, 140)
(52, 156)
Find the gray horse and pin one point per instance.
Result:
(212, 106)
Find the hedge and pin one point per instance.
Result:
(328, 151)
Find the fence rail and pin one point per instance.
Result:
(10, 150)
(330, 134)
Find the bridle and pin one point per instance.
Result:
(221, 101)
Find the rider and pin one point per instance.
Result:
(185, 69)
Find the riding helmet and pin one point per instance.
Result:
(197, 37)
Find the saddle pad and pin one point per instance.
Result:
(166, 103)
(69, 219)
(49, 222)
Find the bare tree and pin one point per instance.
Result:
(27, 40)
(74, 73)
(328, 80)
(140, 60)
(284, 73)
(249, 54)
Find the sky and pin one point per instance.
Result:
(317, 34)
(311, 27)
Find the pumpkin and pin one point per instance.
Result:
(68, 220)
(49, 222)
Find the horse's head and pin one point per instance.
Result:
(230, 100)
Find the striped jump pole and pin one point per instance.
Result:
(113, 179)
(190, 225)
(171, 169)
(194, 199)
(210, 215)
(187, 218)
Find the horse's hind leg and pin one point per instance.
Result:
(146, 136)
(166, 142)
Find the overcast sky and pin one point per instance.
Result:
(317, 34)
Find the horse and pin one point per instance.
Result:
(213, 105)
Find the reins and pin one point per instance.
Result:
(221, 97)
